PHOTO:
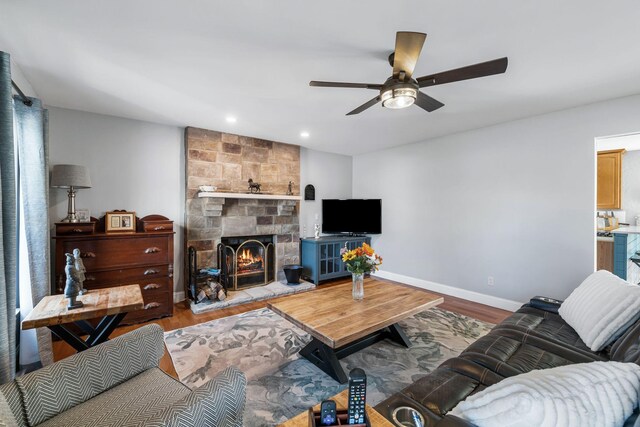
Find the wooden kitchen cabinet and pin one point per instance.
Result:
(605, 256)
(610, 179)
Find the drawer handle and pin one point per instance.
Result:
(87, 255)
(89, 278)
(77, 230)
(152, 250)
(151, 271)
(152, 305)
(151, 286)
(160, 227)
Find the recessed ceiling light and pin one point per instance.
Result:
(304, 134)
(231, 119)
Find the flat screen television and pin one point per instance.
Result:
(353, 216)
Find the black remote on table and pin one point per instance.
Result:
(328, 413)
(357, 396)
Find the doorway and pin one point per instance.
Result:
(617, 214)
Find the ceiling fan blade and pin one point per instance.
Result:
(364, 106)
(408, 48)
(428, 103)
(349, 85)
(497, 66)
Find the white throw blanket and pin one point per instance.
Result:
(598, 394)
(601, 308)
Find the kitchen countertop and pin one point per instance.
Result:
(627, 230)
(604, 239)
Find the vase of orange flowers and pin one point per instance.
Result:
(359, 261)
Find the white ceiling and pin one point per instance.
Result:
(193, 63)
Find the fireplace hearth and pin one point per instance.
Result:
(246, 261)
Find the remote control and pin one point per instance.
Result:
(357, 396)
(328, 413)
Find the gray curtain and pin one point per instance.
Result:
(31, 134)
(8, 232)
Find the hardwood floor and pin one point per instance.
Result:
(182, 317)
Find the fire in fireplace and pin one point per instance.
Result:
(250, 260)
(246, 261)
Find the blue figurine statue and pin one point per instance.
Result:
(77, 262)
(72, 287)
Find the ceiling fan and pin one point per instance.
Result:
(401, 90)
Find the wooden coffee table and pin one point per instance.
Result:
(302, 419)
(341, 326)
(112, 304)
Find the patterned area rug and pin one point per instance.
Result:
(281, 384)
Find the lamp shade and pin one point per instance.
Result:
(65, 176)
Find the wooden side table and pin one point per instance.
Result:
(112, 304)
(302, 420)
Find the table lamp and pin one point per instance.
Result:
(71, 177)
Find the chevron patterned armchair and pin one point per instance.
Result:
(118, 383)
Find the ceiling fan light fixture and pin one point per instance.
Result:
(398, 98)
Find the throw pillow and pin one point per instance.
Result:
(601, 308)
(598, 394)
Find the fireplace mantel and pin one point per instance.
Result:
(259, 196)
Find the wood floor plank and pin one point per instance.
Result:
(183, 317)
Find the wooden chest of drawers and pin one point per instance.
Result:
(117, 259)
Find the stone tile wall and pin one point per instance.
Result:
(228, 161)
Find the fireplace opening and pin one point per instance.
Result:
(246, 261)
(250, 259)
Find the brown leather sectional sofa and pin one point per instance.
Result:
(534, 337)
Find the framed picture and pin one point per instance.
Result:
(120, 221)
(84, 215)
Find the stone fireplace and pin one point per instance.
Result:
(227, 161)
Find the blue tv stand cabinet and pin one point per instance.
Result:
(321, 257)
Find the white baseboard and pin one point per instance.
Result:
(492, 301)
(178, 296)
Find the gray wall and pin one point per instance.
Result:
(330, 174)
(515, 201)
(139, 166)
(134, 165)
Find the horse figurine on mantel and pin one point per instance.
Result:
(254, 187)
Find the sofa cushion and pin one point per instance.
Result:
(601, 308)
(13, 399)
(131, 403)
(219, 402)
(545, 325)
(7, 419)
(435, 394)
(56, 388)
(511, 352)
(598, 394)
(627, 347)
